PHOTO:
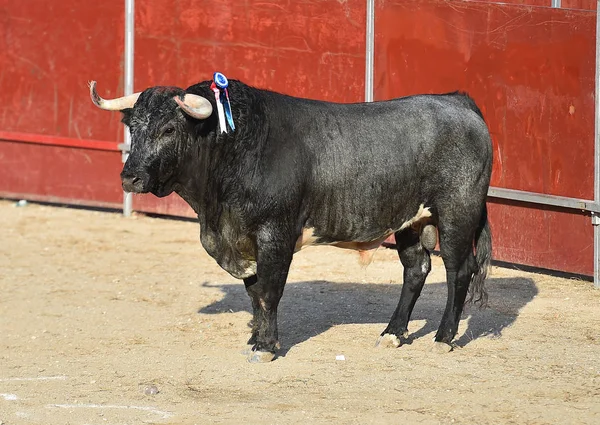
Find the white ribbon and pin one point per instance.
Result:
(220, 111)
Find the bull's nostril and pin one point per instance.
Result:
(133, 183)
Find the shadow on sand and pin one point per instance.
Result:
(310, 308)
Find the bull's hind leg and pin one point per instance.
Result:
(456, 248)
(417, 265)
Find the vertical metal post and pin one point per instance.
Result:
(370, 47)
(556, 3)
(128, 88)
(595, 217)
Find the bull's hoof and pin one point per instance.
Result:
(441, 347)
(261, 356)
(429, 237)
(388, 341)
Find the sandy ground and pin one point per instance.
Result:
(96, 309)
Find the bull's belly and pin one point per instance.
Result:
(236, 255)
(313, 237)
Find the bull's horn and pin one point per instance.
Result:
(195, 106)
(117, 104)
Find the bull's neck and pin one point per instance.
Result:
(212, 164)
(190, 198)
(194, 180)
(207, 173)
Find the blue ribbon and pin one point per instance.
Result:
(222, 83)
(228, 115)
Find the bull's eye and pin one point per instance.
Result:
(169, 130)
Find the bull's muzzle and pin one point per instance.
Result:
(134, 184)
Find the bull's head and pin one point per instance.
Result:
(158, 121)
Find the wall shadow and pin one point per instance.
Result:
(310, 308)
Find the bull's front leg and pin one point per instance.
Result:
(249, 282)
(274, 257)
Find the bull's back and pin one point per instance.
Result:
(406, 132)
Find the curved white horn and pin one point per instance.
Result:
(195, 106)
(117, 104)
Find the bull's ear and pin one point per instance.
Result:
(126, 118)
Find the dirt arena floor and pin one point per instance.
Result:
(113, 320)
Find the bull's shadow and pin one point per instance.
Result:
(310, 308)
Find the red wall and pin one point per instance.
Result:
(61, 174)
(48, 54)
(531, 70)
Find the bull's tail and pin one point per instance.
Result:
(483, 256)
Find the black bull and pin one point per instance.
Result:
(300, 172)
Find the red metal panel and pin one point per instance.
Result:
(579, 4)
(544, 3)
(538, 236)
(531, 69)
(170, 205)
(49, 52)
(60, 174)
(312, 49)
